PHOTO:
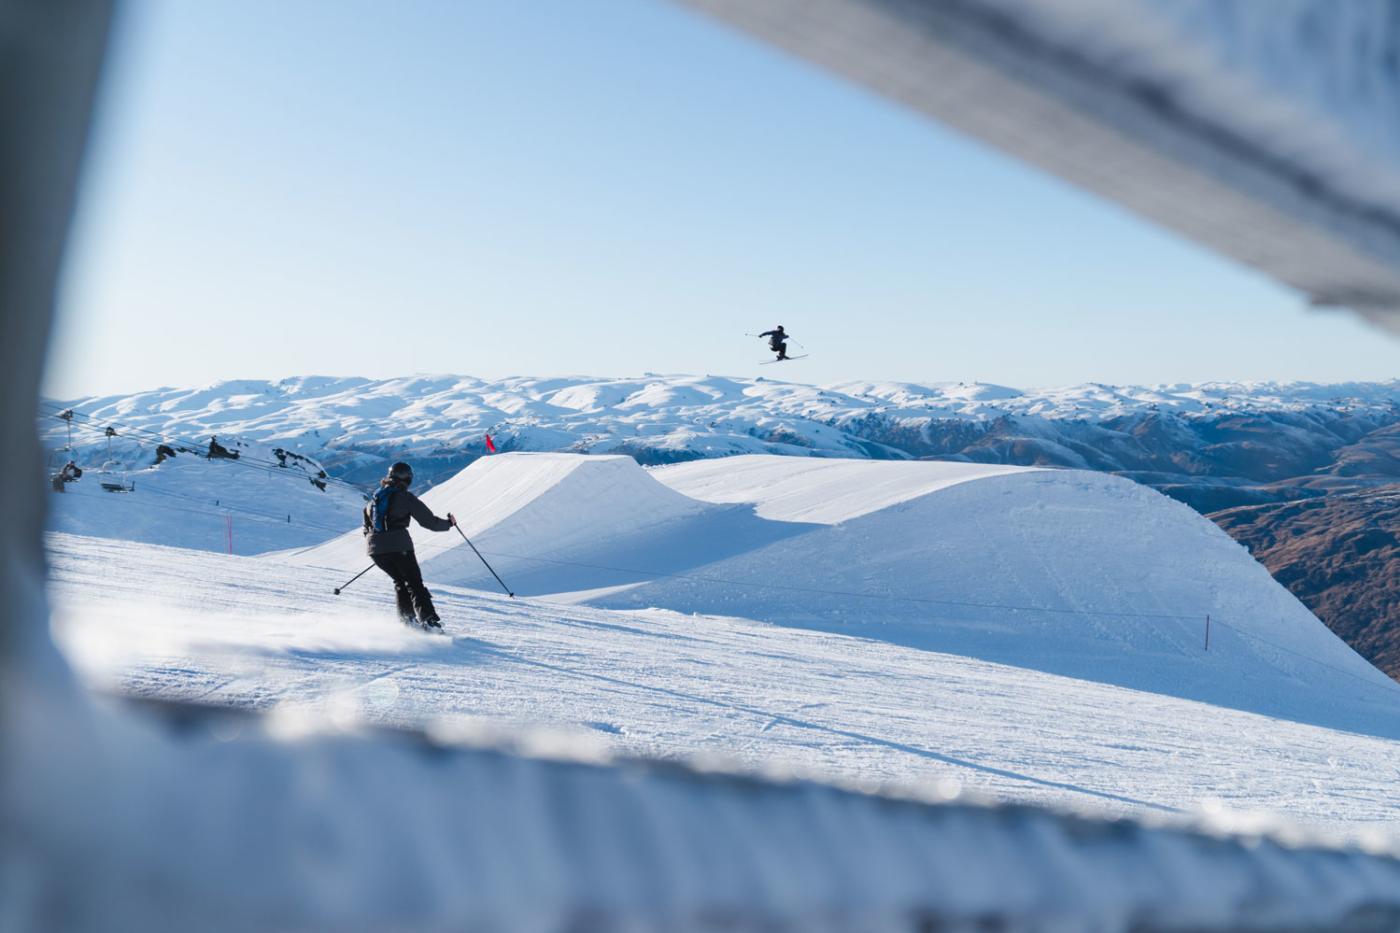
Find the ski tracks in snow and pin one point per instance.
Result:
(665, 684)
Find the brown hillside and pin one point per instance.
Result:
(1340, 555)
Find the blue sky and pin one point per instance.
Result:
(609, 188)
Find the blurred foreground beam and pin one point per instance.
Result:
(50, 57)
(1267, 133)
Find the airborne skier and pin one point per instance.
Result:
(391, 547)
(777, 341)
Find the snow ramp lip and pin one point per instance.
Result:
(537, 502)
(493, 490)
(820, 490)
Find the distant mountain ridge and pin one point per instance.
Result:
(1213, 445)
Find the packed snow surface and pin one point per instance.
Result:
(213, 505)
(556, 522)
(1064, 571)
(826, 492)
(250, 632)
(951, 629)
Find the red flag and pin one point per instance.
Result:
(489, 445)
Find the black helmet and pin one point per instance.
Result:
(401, 473)
(779, 327)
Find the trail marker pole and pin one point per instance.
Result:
(353, 579)
(1207, 631)
(483, 560)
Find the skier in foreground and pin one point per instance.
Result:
(777, 341)
(391, 547)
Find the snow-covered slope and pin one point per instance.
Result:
(821, 491)
(250, 505)
(563, 522)
(1074, 573)
(164, 623)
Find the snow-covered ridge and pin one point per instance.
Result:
(354, 425)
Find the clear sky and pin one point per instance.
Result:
(608, 188)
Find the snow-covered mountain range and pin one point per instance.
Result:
(1212, 439)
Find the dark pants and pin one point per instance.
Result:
(410, 593)
(779, 348)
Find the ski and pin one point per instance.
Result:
(788, 360)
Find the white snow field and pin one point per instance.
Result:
(1067, 572)
(247, 632)
(1031, 635)
(212, 505)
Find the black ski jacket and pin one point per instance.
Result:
(777, 337)
(403, 506)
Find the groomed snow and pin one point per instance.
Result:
(207, 504)
(877, 674)
(247, 632)
(556, 522)
(1066, 571)
(826, 492)
(1069, 572)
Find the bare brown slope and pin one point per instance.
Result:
(1340, 555)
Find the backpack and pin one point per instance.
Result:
(379, 508)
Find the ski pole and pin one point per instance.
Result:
(483, 560)
(353, 579)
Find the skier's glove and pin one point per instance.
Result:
(452, 519)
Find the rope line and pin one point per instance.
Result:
(213, 510)
(825, 592)
(279, 519)
(218, 511)
(749, 584)
(1298, 654)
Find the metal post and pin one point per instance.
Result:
(1207, 631)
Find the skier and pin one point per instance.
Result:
(70, 473)
(219, 451)
(777, 341)
(391, 547)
